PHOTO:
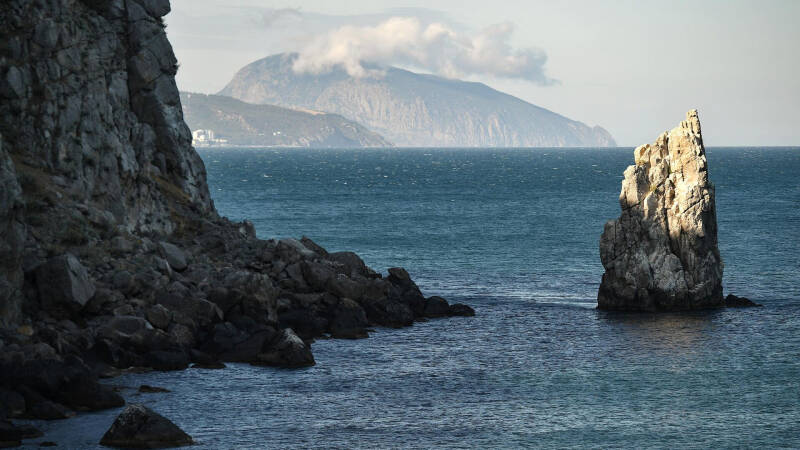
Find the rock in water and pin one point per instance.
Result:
(661, 253)
(140, 427)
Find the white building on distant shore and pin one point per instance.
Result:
(202, 138)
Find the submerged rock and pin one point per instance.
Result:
(661, 253)
(140, 427)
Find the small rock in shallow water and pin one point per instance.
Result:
(286, 350)
(459, 309)
(732, 301)
(436, 307)
(147, 389)
(209, 366)
(140, 427)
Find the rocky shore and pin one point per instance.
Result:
(112, 255)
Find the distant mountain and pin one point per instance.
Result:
(242, 123)
(412, 109)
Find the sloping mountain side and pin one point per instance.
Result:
(243, 123)
(413, 109)
(112, 254)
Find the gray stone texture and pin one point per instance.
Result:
(661, 254)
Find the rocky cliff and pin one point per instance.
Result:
(243, 123)
(415, 110)
(661, 253)
(111, 252)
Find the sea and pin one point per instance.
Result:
(513, 233)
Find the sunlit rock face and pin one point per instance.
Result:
(661, 254)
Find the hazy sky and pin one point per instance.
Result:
(633, 66)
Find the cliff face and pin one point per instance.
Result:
(412, 109)
(661, 253)
(243, 123)
(111, 252)
(90, 103)
(93, 132)
(12, 230)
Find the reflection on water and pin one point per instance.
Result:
(674, 332)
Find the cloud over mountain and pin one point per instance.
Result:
(434, 47)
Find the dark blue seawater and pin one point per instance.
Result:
(514, 233)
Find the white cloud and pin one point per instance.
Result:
(435, 47)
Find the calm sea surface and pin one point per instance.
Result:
(514, 233)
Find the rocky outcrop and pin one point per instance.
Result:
(661, 253)
(138, 426)
(112, 256)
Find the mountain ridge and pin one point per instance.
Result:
(246, 124)
(413, 109)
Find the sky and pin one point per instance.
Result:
(633, 67)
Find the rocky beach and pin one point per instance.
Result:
(113, 256)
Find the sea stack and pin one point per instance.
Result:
(661, 254)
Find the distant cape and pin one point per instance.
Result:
(411, 109)
(238, 123)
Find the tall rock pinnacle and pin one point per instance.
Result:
(661, 254)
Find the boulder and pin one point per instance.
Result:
(388, 312)
(39, 407)
(63, 281)
(12, 404)
(147, 389)
(344, 287)
(159, 316)
(317, 275)
(88, 395)
(436, 307)
(140, 427)
(404, 290)
(52, 386)
(661, 254)
(167, 360)
(11, 435)
(291, 250)
(353, 264)
(732, 301)
(231, 344)
(459, 309)
(200, 310)
(203, 360)
(174, 256)
(349, 320)
(121, 328)
(313, 246)
(286, 350)
(246, 293)
(307, 322)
